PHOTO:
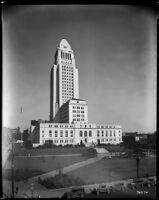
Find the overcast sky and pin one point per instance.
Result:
(115, 54)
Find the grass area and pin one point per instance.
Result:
(114, 169)
(45, 164)
(51, 151)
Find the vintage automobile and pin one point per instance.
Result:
(102, 189)
(78, 192)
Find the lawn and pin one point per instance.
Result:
(51, 151)
(45, 164)
(114, 169)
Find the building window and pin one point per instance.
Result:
(61, 134)
(42, 131)
(56, 133)
(106, 133)
(110, 133)
(114, 133)
(66, 133)
(50, 134)
(71, 134)
(85, 133)
(81, 134)
(90, 133)
(97, 133)
(102, 133)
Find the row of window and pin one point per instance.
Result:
(65, 55)
(61, 135)
(110, 140)
(78, 119)
(81, 126)
(78, 107)
(61, 141)
(85, 133)
(60, 126)
(81, 134)
(67, 68)
(78, 115)
(78, 111)
(105, 126)
(66, 62)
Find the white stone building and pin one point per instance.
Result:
(68, 122)
(65, 133)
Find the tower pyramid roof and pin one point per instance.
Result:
(64, 45)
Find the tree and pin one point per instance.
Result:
(25, 135)
(28, 144)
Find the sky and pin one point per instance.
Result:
(115, 53)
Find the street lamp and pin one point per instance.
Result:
(32, 189)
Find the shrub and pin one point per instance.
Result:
(68, 145)
(90, 153)
(60, 181)
(28, 144)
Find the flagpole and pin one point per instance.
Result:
(21, 131)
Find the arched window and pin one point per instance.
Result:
(81, 134)
(85, 133)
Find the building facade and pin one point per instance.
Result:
(73, 111)
(65, 133)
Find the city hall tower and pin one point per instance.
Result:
(63, 78)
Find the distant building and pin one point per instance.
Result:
(68, 122)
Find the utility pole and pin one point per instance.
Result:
(12, 163)
(137, 161)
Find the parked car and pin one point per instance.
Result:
(119, 186)
(102, 189)
(74, 193)
(152, 181)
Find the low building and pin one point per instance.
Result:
(65, 133)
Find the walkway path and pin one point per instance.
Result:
(67, 169)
